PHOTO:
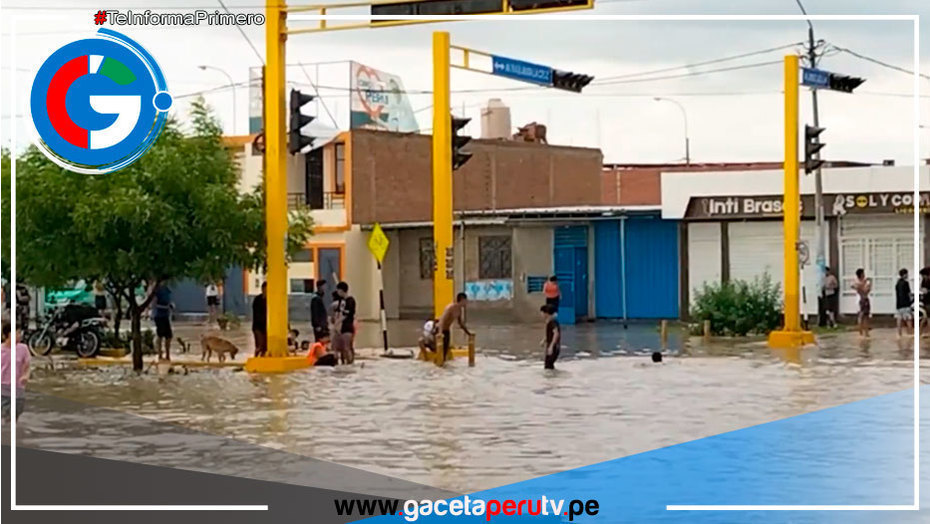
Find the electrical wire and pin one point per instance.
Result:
(877, 61)
(242, 32)
(699, 64)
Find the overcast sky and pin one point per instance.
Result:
(732, 115)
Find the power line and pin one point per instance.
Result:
(242, 32)
(698, 64)
(877, 61)
(695, 73)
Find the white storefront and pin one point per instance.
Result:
(734, 229)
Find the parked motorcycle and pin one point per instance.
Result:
(84, 339)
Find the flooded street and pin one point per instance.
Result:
(505, 420)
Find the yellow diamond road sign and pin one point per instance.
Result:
(378, 243)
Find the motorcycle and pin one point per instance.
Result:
(84, 339)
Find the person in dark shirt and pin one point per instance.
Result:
(344, 324)
(903, 301)
(260, 322)
(319, 318)
(553, 335)
(161, 314)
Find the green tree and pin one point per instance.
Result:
(175, 213)
(5, 220)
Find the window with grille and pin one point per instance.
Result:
(494, 257)
(427, 253)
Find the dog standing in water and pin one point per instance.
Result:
(212, 344)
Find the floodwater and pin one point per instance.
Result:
(506, 419)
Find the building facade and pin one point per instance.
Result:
(732, 229)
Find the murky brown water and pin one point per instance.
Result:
(506, 419)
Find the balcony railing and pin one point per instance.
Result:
(331, 200)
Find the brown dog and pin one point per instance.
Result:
(213, 344)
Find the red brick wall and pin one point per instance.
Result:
(392, 177)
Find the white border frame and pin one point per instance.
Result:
(513, 18)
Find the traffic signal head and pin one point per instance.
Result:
(459, 157)
(297, 141)
(812, 147)
(570, 81)
(844, 83)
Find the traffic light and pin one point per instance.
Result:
(295, 140)
(459, 157)
(569, 81)
(812, 147)
(844, 83)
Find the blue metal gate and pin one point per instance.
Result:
(651, 266)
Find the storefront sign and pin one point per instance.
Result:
(770, 206)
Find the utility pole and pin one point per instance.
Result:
(820, 236)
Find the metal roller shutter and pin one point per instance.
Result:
(703, 255)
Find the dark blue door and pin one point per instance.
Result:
(581, 281)
(564, 271)
(571, 268)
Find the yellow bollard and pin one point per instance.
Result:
(471, 350)
(664, 335)
(707, 331)
(440, 350)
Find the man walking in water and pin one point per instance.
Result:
(554, 336)
(452, 314)
(863, 286)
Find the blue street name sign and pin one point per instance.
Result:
(815, 77)
(520, 70)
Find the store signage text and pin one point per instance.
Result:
(834, 205)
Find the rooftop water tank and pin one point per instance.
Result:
(495, 120)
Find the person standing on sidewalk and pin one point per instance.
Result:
(260, 322)
(863, 287)
(904, 299)
(161, 314)
(830, 297)
(212, 293)
(319, 318)
(21, 359)
(552, 292)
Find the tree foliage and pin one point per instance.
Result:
(175, 213)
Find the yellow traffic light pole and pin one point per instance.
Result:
(442, 171)
(275, 180)
(792, 335)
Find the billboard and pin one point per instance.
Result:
(378, 101)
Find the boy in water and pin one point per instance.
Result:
(427, 340)
(452, 314)
(553, 335)
(14, 353)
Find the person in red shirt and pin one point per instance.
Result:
(552, 292)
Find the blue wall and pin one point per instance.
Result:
(190, 296)
(651, 268)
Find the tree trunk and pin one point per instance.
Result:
(135, 313)
(118, 316)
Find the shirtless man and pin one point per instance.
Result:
(452, 314)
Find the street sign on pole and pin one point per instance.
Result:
(815, 78)
(520, 70)
(819, 79)
(378, 243)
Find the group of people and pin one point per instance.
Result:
(333, 333)
(454, 313)
(862, 285)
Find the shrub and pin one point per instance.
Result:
(739, 308)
